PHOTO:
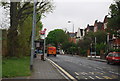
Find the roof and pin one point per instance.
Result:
(71, 34)
(91, 28)
(99, 25)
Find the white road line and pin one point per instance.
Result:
(77, 77)
(65, 72)
(76, 73)
(91, 77)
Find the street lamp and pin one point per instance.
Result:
(72, 25)
(33, 35)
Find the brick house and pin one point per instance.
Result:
(98, 26)
(89, 28)
(72, 37)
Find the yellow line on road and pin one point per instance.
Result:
(70, 76)
(106, 77)
(98, 77)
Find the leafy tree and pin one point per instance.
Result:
(24, 37)
(85, 44)
(69, 47)
(56, 37)
(114, 21)
(19, 12)
(101, 46)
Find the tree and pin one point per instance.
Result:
(24, 36)
(19, 12)
(89, 39)
(56, 37)
(114, 21)
(69, 47)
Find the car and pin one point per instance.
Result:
(113, 58)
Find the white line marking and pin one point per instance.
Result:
(76, 73)
(91, 77)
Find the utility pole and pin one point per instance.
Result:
(91, 50)
(108, 42)
(95, 47)
(33, 36)
(73, 27)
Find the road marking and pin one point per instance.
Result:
(65, 72)
(99, 73)
(98, 77)
(77, 77)
(92, 73)
(106, 77)
(76, 73)
(86, 78)
(83, 73)
(91, 77)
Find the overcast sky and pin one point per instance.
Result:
(80, 12)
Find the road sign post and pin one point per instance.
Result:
(43, 37)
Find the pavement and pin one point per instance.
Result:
(45, 70)
(96, 59)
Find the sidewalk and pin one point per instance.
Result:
(45, 70)
(93, 58)
(96, 59)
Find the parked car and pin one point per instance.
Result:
(113, 58)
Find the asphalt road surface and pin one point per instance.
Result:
(82, 68)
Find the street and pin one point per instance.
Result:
(82, 68)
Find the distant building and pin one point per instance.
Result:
(105, 21)
(80, 34)
(72, 36)
(98, 26)
(89, 28)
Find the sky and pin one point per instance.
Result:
(79, 12)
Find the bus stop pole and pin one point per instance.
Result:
(44, 49)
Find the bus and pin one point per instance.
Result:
(51, 51)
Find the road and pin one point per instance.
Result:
(82, 68)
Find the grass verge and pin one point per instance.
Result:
(15, 67)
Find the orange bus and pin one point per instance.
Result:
(51, 51)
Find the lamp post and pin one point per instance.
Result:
(33, 36)
(72, 25)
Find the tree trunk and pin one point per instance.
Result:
(12, 32)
